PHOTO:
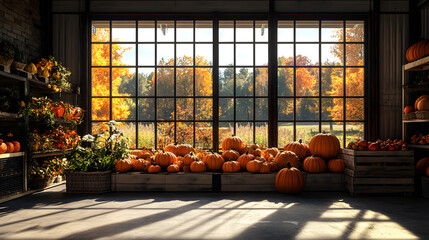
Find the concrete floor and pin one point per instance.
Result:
(53, 214)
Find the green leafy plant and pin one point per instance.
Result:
(20, 56)
(48, 168)
(59, 74)
(99, 152)
(7, 51)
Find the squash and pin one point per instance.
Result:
(244, 159)
(16, 146)
(140, 165)
(298, 148)
(171, 148)
(173, 168)
(198, 166)
(123, 165)
(418, 100)
(289, 180)
(230, 155)
(336, 165)
(287, 156)
(154, 169)
(231, 166)
(31, 68)
(163, 159)
(213, 161)
(253, 166)
(189, 158)
(325, 145)
(234, 143)
(422, 164)
(183, 149)
(314, 164)
(423, 104)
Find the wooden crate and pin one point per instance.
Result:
(379, 171)
(425, 186)
(137, 181)
(324, 182)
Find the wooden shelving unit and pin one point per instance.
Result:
(49, 153)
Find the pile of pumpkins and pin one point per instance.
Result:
(421, 104)
(237, 156)
(9, 146)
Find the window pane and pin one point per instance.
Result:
(100, 55)
(354, 109)
(307, 31)
(261, 81)
(146, 109)
(354, 55)
(99, 127)
(307, 81)
(184, 81)
(185, 108)
(261, 134)
(354, 131)
(100, 82)
(124, 108)
(146, 135)
(165, 134)
(261, 54)
(226, 129)
(226, 109)
(185, 31)
(146, 78)
(123, 31)
(203, 109)
(354, 82)
(244, 109)
(185, 133)
(165, 31)
(244, 55)
(307, 109)
(123, 54)
(123, 82)
(146, 55)
(226, 31)
(203, 82)
(184, 55)
(129, 130)
(245, 131)
(332, 109)
(332, 31)
(203, 54)
(306, 131)
(165, 109)
(332, 82)
(285, 31)
(285, 109)
(261, 109)
(203, 135)
(146, 31)
(355, 31)
(204, 31)
(165, 55)
(100, 31)
(226, 54)
(332, 54)
(261, 31)
(100, 109)
(285, 81)
(244, 82)
(285, 55)
(285, 134)
(226, 81)
(335, 128)
(244, 31)
(165, 82)
(307, 54)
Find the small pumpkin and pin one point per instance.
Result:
(183, 149)
(289, 180)
(45, 73)
(253, 166)
(201, 154)
(179, 162)
(287, 156)
(163, 159)
(244, 159)
(31, 68)
(16, 146)
(298, 148)
(325, 145)
(189, 158)
(10, 147)
(231, 166)
(418, 100)
(265, 168)
(198, 166)
(234, 143)
(213, 161)
(154, 169)
(314, 164)
(123, 165)
(253, 149)
(274, 167)
(140, 165)
(422, 164)
(270, 151)
(423, 104)
(336, 165)
(3, 147)
(186, 168)
(230, 155)
(171, 148)
(173, 168)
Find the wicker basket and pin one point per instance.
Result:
(41, 183)
(18, 65)
(409, 116)
(88, 182)
(422, 115)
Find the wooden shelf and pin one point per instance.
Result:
(10, 155)
(8, 116)
(9, 78)
(418, 65)
(416, 121)
(417, 146)
(49, 153)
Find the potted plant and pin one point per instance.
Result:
(44, 174)
(91, 161)
(7, 53)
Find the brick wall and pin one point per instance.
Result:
(21, 25)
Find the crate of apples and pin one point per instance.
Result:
(379, 145)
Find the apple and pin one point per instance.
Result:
(373, 147)
(390, 147)
(408, 109)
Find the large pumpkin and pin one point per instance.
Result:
(416, 103)
(3, 147)
(198, 166)
(183, 149)
(422, 164)
(270, 151)
(244, 159)
(336, 165)
(253, 166)
(289, 180)
(287, 156)
(298, 148)
(231, 166)
(230, 155)
(163, 159)
(171, 148)
(234, 143)
(417, 50)
(325, 145)
(314, 164)
(140, 165)
(213, 161)
(123, 165)
(189, 158)
(274, 167)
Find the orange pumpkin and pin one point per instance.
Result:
(234, 143)
(289, 180)
(201, 154)
(140, 165)
(418, 100)
(230, 155)
(179, 162)
(3, 147)
(163, 159)
(10, 147)
(265, 168)
(423, 104)
(198, 166)
(244, 159)
(314, 164)
(171, 148)
(16, 146)
(154, 169)
(274, 167)
(336, 165)
(298, 148)
(270, 151)
(173, 168)
(231, 166)
(287, 156)
(253, 149)
(325, 145)
(138, 153)
(253, 166)
(213, 161)
(123, 165)
(422, 164)
(187, 168)
(183, 149)
(427, 171)
(408, 109)
(189, 158)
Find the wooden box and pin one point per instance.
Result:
(379, 171)
(324, 182)
(138, 181)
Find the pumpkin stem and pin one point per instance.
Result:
(300, 141)
(247, 152)
(211, 150)
(288, 165)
